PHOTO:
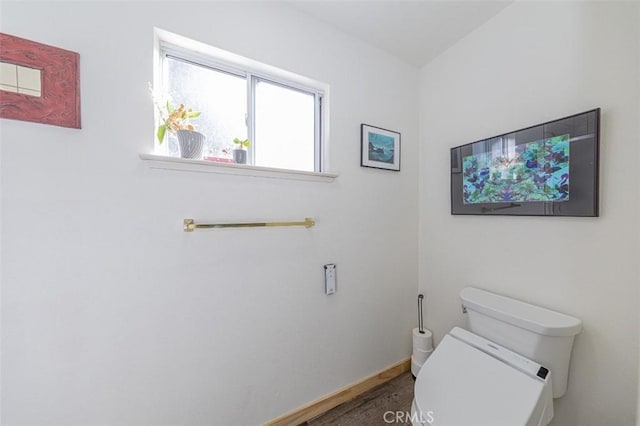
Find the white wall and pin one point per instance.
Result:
(111, 314)
(534, 62)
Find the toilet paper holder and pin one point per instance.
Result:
(420, 316)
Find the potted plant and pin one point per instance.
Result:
(240, 154)
(177, 122)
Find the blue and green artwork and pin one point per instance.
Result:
(536, 171)
(381, 148)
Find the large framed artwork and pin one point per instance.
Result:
(38, 82)
(550, 169)
(380, 148)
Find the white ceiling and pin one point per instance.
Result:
(416, 31)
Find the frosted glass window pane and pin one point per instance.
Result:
(220, 97)
(284, 132)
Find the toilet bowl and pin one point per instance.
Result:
(469, 380)
(505, 370)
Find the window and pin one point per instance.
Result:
(279, 112)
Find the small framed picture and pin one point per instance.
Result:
(380, 148)
(39, 83)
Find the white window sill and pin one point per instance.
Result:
(203, 166)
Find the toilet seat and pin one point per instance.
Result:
(469, 380)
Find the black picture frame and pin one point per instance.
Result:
(379, 148)
(550, 169)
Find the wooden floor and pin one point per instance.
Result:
(370, 407)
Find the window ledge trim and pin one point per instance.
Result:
(190, 165)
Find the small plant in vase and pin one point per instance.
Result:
(178, 122)
(240, 154)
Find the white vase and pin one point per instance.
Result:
(191, 143)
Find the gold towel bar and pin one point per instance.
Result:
(190, 225)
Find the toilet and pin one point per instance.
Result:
(505, 370)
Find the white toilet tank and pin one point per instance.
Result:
(537, 333)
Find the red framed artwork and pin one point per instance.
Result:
(39, 83)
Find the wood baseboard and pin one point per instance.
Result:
(327, 402)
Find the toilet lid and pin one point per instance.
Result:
(459, 385)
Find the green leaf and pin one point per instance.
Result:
(162, 129)
(243, 144)
(169, 108)
(193, 114)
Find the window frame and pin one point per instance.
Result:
(200, 54)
